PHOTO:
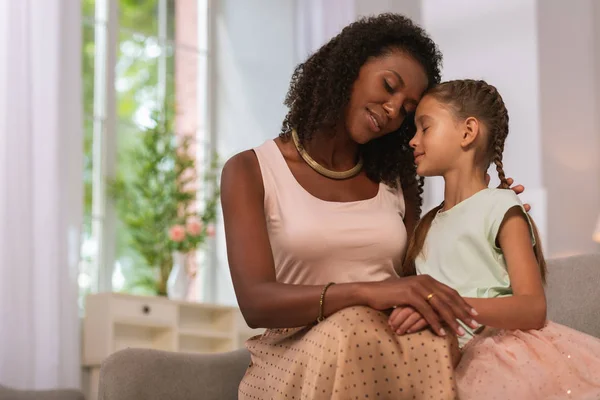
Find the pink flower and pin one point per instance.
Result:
(210, 230)
(177, 233)
(194, 226)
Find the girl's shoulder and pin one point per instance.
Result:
(500, 201)
(496, 195)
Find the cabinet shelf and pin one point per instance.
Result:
(205, 334)
(142, 323)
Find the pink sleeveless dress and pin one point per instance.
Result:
(353, 353)
(315, 241)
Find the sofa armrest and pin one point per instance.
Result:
(156, 375)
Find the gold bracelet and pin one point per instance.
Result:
(322, 301)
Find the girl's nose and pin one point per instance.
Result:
(413, 142)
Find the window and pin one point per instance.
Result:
(136, 53)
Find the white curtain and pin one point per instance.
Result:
(41, 192)
(317, 21)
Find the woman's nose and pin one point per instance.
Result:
(391, 110)
(393, 105)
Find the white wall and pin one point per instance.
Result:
(569, 72)
(254, 59)
(254, 55)
(496, 40)
(317, 21)
(409, 8)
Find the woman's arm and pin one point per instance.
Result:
(526, 309)
(266, 303)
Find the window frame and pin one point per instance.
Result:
(105, 131)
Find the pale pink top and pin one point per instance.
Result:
(316, 241)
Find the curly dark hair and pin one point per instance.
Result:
(321, 86)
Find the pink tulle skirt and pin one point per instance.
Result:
(553, 363)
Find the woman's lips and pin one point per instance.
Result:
(373, 122)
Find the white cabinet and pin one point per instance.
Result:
(116, 321)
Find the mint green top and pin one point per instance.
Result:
(460, 249)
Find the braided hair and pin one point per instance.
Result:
(472, 98)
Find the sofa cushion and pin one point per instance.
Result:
(573, 292)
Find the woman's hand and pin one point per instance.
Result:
(436, 302)
(518, 189)
(406, 320)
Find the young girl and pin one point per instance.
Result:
(481, 243)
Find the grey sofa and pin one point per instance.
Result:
(573, 300)
(7, 393)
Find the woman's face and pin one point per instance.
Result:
(387, 89)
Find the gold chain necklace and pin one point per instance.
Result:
(321, 169)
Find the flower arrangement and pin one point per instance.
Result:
(187, 237)
(156, 199)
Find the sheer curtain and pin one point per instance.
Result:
(41, 192)
(317, 21)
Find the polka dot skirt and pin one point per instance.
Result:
(353, 354)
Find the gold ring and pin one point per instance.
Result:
(430, 296)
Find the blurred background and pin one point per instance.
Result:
(90, 89)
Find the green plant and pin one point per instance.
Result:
(159, 192)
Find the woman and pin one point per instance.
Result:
(316, 225)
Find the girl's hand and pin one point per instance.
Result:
(518, 189)
(406, 320)
(436, 302)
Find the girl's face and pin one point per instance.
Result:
(437, 142)
(386, 90)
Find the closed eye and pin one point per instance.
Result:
(388, 87)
